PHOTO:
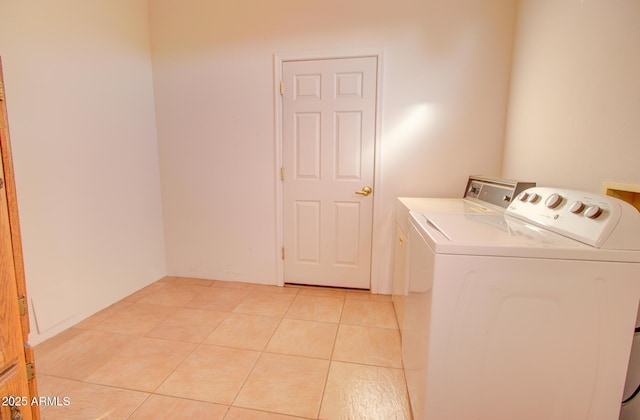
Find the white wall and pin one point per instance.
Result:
(574, 113)
(80, 102)
(446, 74)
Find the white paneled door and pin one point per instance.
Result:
(328, 136)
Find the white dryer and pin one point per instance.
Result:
(482, 195)
(526, 315)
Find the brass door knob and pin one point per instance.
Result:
(365, 191)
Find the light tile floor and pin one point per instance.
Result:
(207, 349)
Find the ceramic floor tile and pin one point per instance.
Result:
(146, 291)
(195, 288)
(51, 386)
(142, 364)
(160, 407)
(368, 345)
(218, 299)
(97, 318)
(369, 313)
(81, 355)
(322, 291)
(236, 413)
(210, 373)
(89, 401)
(364, 392)
(233, 284)
(285, 384)
(316, 308)
(188, 324)
(186, 281)
(149, 342)
(137, 319)
(242, 331)
(366, 295)
(263, 303)
(303, 338)
(172, 295)
(286, 290)
(58, 340)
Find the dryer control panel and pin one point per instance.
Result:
(495, 191)
(597, 220)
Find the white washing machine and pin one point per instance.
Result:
(526, 315)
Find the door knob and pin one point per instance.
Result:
(365, 191)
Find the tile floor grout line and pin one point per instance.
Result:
(176, 368)
(114, 387)
(108, 317)
(331, 360)
(198, 345)
(261, 354)
(277, 413)
(139, 406)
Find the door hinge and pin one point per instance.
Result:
(282, 253)
(1, 91)
(282, 173)
(281, 88)
(31, 371)
(22, 305)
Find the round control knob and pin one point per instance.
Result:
(576, 207)
(533, 197)
(553, 201)
(593, 212)
(523, 196)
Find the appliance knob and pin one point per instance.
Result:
(593, 212)
(576, 207)
(533, 197)
(553, 201)
(523, 196)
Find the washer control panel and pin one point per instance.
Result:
(590, 218)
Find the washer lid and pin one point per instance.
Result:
(500, 235)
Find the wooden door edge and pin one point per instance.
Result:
(12, 203)
(29, 357)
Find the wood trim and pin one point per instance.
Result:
(12, 203)
(14, 284)
(33, 386)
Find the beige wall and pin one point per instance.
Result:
(574, 114)
(80, 102)
(446, 70)
(81, 108)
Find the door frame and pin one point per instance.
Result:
(278, 61)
